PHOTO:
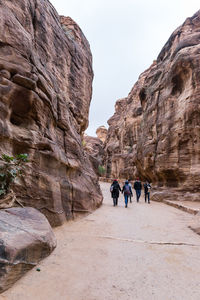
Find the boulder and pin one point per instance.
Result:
(25, 238)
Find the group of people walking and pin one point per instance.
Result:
(127, 191)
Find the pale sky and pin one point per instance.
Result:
(125, 37)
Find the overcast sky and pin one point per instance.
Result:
(125, 37)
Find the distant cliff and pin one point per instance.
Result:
(94, 146)
(45, 92)
(155, 131)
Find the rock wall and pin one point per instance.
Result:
(155, 131)
(45, 92)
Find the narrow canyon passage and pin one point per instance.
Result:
(143, 252)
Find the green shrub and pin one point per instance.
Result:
(101, 170)
(11, 167)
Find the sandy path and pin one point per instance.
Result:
(119, 253)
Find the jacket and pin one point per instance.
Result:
(147, 188)
(137, 185)
(116, 189)
(124, 189)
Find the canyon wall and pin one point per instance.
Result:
(45, 92)
(155, 131)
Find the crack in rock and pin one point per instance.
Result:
(150, 242)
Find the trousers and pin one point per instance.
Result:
(147, 195)
(126, 200)
(115, 201)
(138, 194)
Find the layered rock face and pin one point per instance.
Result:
(155, 131)
(25, 238)
(45, 92)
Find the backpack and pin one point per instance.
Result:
(148, 187)
(114, 188)
(127, 189)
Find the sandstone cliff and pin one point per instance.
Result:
(155, 131)
(45, 92)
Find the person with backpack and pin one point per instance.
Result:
(147, 188)
(127, 192)
(114, 189)
(129, 182)
(138, 188)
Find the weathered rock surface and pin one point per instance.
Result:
(25, 238)
(101, 133)
(45, 92)
(94, 147)
(155, 131)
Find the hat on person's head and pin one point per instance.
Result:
(126, 181)
(115, 180)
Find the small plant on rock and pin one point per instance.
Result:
(83, 143)
(101, 170)
(11, 167)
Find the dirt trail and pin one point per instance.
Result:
(144, 252)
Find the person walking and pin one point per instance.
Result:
(129, 182)
(114, 189)
(138, 188)
(147, 188)
(127, 192)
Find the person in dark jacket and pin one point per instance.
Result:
(138, 188)
(127, 192)
(129, 182)
(147, 188)
(114, 189)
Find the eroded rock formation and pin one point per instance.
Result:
(94, 147)
(155, 131)
(101, 133)
(45, 92)
(25, 238)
